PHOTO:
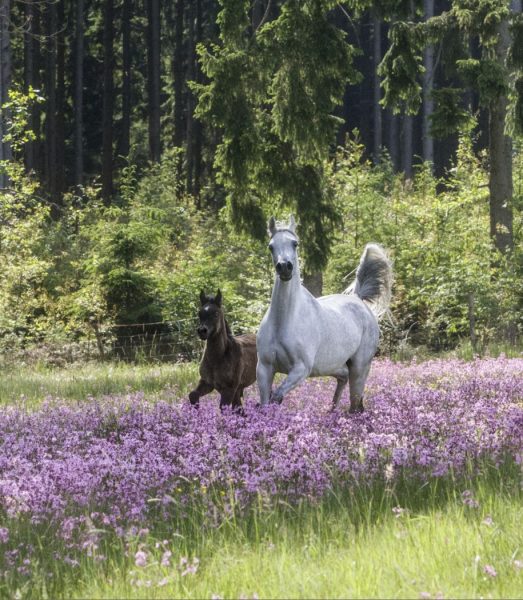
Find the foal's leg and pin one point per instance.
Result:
(358, 372)
(202, 388)
(227, 397)
(296, 375)
(342, 376)
(264, 377)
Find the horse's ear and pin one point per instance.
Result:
(218, 298)
(272, 226)
(203, 298)
(292, 224)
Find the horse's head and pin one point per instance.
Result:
(210, 315)
(284, 248)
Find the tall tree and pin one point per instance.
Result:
(108, 103)
(191, 72)
(273, 98)
(79, 95)
(51, 167)
(5, 80)
(125, 140)
(178, 74)
(60, 100)
(428, 80)
(153, 77)
(500, 153)
(492, 75)
(377, 112)
(197, 127)
(29, 79)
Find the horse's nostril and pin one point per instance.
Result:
(289, 265)
(278, 267)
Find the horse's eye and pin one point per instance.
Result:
(270, 247)
(295, 244)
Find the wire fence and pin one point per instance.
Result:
(159, 340)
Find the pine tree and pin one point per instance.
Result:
(500, 35)
(272, 93)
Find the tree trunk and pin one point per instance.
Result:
(406, 146)
(108, 103)
(153, 78)
(5, 80)
(197, 127)
(428, 81)
(79, 95)
(314, 283)
(29, 76)
(394, 139)
(125, 142)
(257, 12)
(50, 113)
(500, 150)
(60, 103)
(377, 111)
(191, 60)
(178, 72)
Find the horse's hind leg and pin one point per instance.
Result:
(358, 373)
(342, 377)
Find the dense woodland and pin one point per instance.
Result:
(142, 140)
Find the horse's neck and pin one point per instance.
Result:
(285, 297)
(218, 343)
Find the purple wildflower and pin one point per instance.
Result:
(4, 535)
(490, 571)
(140, 558)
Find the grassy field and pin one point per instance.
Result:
(30, 386)
(403, 543)
(445, 538)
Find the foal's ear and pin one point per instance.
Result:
(218, 298)
(292, 224)
(203, 298)
(272, 226)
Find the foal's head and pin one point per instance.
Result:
(283, 247)
(210, 315)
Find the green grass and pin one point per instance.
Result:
(349, 545)
(31, 385)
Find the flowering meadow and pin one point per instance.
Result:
(74, 475)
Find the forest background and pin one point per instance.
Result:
(145, 143)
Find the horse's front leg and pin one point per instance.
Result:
(296, 375)
(264, 377)
(227, 397)
(202, 388)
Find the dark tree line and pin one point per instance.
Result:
(117, 78)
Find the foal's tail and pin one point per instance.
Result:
(373, 282)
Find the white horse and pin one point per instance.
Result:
(335, 335)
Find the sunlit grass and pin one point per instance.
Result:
(411, 541)
(30, 386)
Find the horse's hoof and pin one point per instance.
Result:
(356, 410)
(275, 399)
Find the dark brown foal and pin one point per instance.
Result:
(229, 362)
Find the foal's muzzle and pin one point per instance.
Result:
(203, 332)
(284, 269)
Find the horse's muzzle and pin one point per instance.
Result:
(284, 269)
(203, 333)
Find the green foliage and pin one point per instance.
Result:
(439, 241)
(450, 115)
(401, 68)
(489, 77)
(272, 95)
